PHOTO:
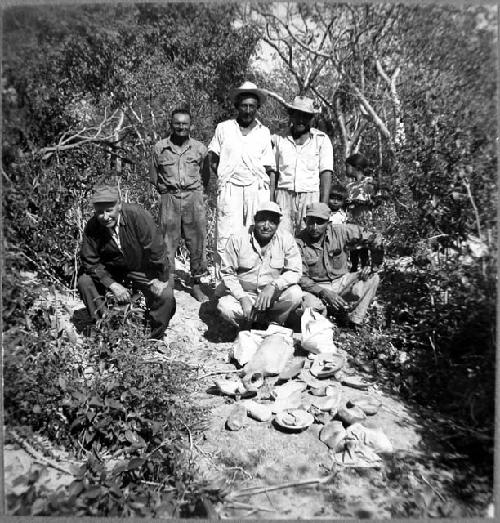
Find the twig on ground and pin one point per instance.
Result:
(215, 373)
(252, 508)
(190, 437)
(250, 491)
(156, 484)
(37, 456)
(242, 470)
(441, 497)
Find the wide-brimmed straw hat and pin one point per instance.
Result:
(250, 88)
(302, 104)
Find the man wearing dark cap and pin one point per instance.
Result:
(304, 164)
(326, 281)
(261, 267)
(122, 245)
(178, 172)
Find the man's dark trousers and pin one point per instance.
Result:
(160, 308)
(183, 213)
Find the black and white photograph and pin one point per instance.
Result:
(249, 259)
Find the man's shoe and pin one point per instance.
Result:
(198, 294)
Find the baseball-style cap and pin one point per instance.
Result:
(319, 210)
(105, 194)
(269, 207)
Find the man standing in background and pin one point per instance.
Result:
(304, 164)
(176, 172)
(241, 155)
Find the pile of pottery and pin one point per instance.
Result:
(295, 392)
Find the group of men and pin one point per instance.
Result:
(278, 250)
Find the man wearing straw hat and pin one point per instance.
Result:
(241, 155)
(123, 248)
(304, 165)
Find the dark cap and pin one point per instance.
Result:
(105, 194)
(319, 210)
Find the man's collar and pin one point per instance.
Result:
(170, 143)
(257, 123)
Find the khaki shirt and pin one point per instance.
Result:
(245, 268)
(176, 167)
(326, 259)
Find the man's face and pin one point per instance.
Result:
(247, 109)
(316, 227)
(335, 202)
(181, 124)
(107, 213)
(266, 224)
(300, 122)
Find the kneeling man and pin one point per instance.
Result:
(121, 245)
(326, 281)
(260, 269)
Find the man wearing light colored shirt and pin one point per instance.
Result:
(260, 271)
(304, 163)
(240, 153)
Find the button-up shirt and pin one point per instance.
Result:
(142, 248)
(245, 267)
(177, 167)
(242, 159)
(299, 166)
(326, 259)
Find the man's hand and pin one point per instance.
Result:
(334, 300)
(265, 298)
(157, 287)
(365, 273)
(247, 306)
(122, 294)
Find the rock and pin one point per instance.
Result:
(368, 404)
(327, 367)
(318, 391)
(258, 411)
(230, 387)
(326, 403)
(291, 387)
(354, 382)
(373, 438)
(293, 401)
(237, 418)
(291, 371)
(351, 415)
(333, 434)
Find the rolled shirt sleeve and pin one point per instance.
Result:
(325, 155)
(91, 260)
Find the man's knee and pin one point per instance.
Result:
(293, 295)
(84, 282)
(312, 301)
(226, 309)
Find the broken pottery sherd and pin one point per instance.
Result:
(237, 418)
(318, 391)
(368, 404)
(326, 403)
(294, 419)
(258, 411)
(326, 369)
(373, 438)
(350, 415)
(230, 387)
(283, 391)
(293, 401)
(354, 382)
(333, 434)
(291, 371)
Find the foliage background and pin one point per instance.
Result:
(101, 80)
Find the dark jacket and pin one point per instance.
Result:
(142, 248)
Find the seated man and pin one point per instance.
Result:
(260, 269)
(325, 277)
(122, 244)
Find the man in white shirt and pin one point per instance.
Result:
(304, 164)
(241, 155)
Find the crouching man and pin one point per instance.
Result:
(326, 280)
(121, 245)
(260, 269)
